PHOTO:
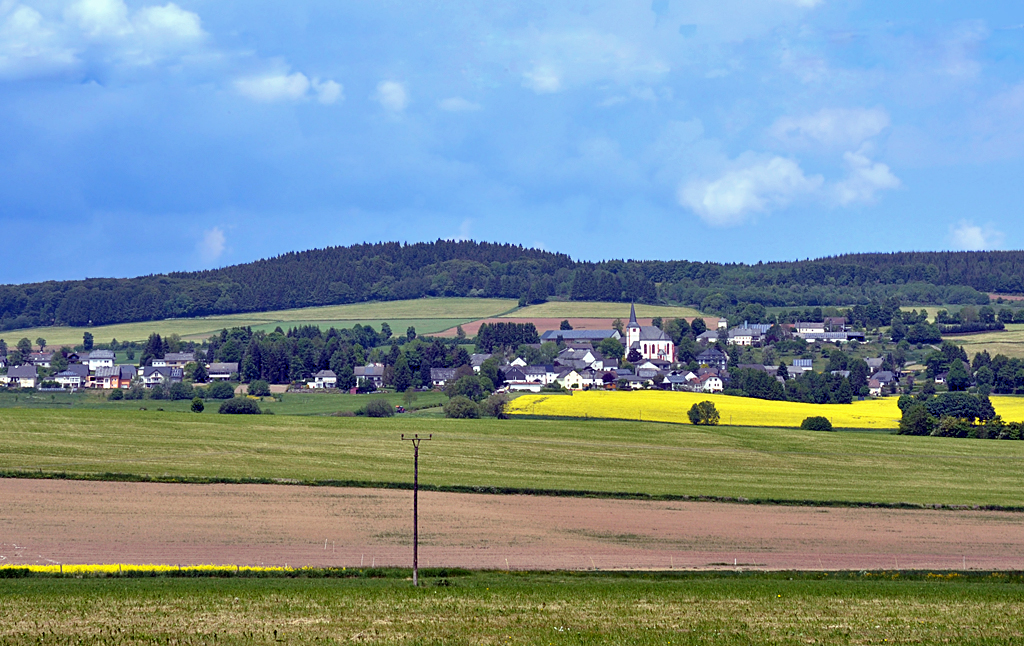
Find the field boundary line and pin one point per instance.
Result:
(39, 474)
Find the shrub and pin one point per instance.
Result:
(240, 406)
(197, 405)
(703, 414)
(816, 423)
(495, 406)
(179, 391)
(380, 408)
(461, 407)
(220, 390)
(115, 395)
(259, 388)
(135, 392)
(157, 392)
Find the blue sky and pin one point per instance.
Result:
(139, 138)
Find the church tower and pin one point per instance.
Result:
(632, 329)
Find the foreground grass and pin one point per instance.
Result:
(532, 454)
(427, 315)
(503, 608)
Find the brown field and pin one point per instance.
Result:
(544, 324)
(53, 521)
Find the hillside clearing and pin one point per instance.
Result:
(593, 309)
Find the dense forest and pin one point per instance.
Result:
(394, 271)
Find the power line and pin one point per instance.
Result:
(415, 439)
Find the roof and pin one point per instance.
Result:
(712, 353)
(580, 335)
(325, 374)
(101, 354)
(180, 356)
(803, 363)
(369, 371)
(884, 376)
(632, 316)
(127, 372)
(652, 333)
(710, 335)
(752, 366)
(476, 360)
(225, 368)
(105, 371)
(442, 374)
(78, 369)
(161, 370)
(23, 371)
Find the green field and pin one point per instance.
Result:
(593, 309)
(577, 455)
(427, 315)
(1009, 342)
(517, 608)
(304, 403)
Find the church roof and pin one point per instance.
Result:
(632, 316)
(652, 333)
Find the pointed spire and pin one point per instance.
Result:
(632, 316)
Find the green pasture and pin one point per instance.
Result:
(517, 608)
(1009, 342)
(304, 403)
(594, 309)
(430, 314)
(535, 454)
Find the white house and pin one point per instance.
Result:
(100, 358)
(810, 327)
(650, 341)
(324, 379)
(222, 371)
(711, 383)
(26, 376)
(571, 380)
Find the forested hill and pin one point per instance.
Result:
(392, 271)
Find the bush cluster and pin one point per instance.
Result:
(240, 406)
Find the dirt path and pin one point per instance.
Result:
(45, 521)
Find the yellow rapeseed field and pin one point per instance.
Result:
(664, 406)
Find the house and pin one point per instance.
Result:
(161, 376)
(439, 377)
(711, 383)
(810, 327)
(178, 359)
(25, 376)
(875, 364)
(540, 374)
(835, 323)
(100, 358)
(41, 359)
(650, 341)
(744, 336)
(519, 362)
(886, 377)
(324, 379)
(477, 360)
(372, 372)
(708, 338)
(76, 376)
(571, 380)
(801, 366)
(221, 371)
(875, 387)
(713, 357)
(125, 375)
(592, 336)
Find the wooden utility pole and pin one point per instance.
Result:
(415, 439)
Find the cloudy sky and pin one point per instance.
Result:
(139, 138)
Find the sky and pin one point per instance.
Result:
(140, 138)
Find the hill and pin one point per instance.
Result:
(394, 271)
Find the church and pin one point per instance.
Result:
(651, 342)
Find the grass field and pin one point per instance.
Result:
(576, 455)
(518, 608)
(666, 406)
(1009, 342)
(306, 403)
(587, 309)
(427, 315)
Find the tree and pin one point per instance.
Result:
(403, 374)
(346, 378)
(179, 391)
(410, 333)
(958, 379)
(611, 348)
(116, 395)
(199, 374)
(259, 388)
(618, 326)
(703, 414)
(495, 406)
(633, 356)
(816, 423)
(197, 405)
(460, 407)
(783, 370)
(698, 327)
(25, 348)
(221, 390)
(917, 420)
(385, 332)
(87, 341)
(379, 408)
(240, 406)
(564, 325)
(466, 386)
(459, 332)
(41, 342)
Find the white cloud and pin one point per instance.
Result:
(832, 126)
(100, 18)
(29, 47)
(169, 23)
(865, 179)
(281, 86)
(392, 96)
(458, 104)
(803, 4)
(211, 246)
(967, 236)
(542, 79)
(754, 186)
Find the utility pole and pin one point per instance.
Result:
(415, 439)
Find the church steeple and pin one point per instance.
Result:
(632, 316)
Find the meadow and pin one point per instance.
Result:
(570, 456)
(518, 608)
(667, 406)
(1009, 342)
(593, 309)
(427, 315)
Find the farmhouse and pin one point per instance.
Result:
(324, 379)
(650, 341)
